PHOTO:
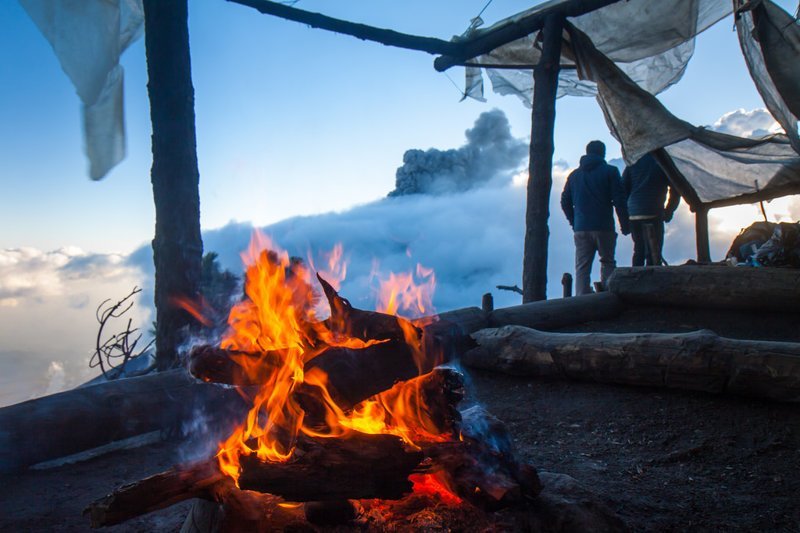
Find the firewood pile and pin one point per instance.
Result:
(354, 419)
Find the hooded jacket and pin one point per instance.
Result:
(589, 194)
(646, 186)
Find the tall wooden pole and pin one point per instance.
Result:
(177, 246)
(701, 233)
(540, 181)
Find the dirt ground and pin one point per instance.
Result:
(662, 460)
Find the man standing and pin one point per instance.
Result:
(587, 200)
(646, 188)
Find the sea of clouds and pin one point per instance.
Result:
(468, 226)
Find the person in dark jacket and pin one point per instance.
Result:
(591, 191)
(646, 187)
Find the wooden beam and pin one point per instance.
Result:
(177, 245)
(487, 40)
(361, 31)
(540, 171)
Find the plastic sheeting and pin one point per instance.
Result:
(651, 41)
(770, 41)
(88, 37)
(710, 169)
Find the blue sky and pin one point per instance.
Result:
(291, 122)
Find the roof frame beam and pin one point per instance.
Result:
(364, 32)
(483, 42)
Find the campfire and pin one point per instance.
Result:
(348, 418)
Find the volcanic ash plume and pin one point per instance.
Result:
(491, 153)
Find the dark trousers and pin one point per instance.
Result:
(648, 240)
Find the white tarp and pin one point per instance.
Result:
(651, 41)
(770, 41)
(719, 169)
(88, 37)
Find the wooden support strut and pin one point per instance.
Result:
(540, 181)
(177, 245)
(361, 31)
(701, 235)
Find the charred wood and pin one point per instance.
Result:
(357, 466)
(482, 467)
(195, 480)
(365, 325)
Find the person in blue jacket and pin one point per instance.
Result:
(590, 195)
(646, 187)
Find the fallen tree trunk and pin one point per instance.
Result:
(699, 360)
(81, 419)
(715, 287)
(551, 314)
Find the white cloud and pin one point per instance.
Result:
(47, 316)
(742, 123)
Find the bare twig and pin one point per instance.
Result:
(120, 345)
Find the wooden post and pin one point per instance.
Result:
(177, 246)
(540, 181)
(701, 232)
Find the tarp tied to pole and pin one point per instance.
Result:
(651, 41)
(626, 52)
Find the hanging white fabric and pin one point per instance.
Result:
(88, 37)
(652, 42)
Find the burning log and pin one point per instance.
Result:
(353, 375)
(700, 360)
(196, 480)
(358, 466)
(482, 467)
(365, 325)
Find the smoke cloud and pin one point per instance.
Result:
(491, 154)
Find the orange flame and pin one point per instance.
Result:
(407, 294)
(278, 318)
